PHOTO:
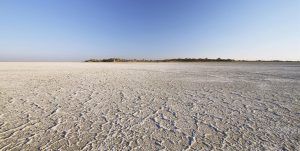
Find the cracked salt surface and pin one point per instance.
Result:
(149, 106)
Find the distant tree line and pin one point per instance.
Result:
(161, 60)
(179, 60)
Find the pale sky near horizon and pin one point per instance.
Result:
(64, 30)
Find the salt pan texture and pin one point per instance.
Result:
(149, 106)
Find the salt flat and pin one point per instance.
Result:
(149, 106)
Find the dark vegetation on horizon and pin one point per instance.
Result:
(176, 60)
(159, 60)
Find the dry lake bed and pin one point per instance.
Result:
(149, 106)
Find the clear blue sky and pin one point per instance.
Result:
(74, 30)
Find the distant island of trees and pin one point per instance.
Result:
(177, 60)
